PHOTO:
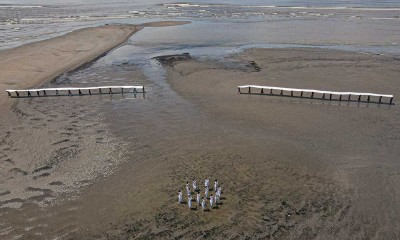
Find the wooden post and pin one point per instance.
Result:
(90, 93)
(359, 98)
(330, 97)
(369, 97)
(391, 100)
(291, 93)
(380, 99)
(249, 90)
(340, 98)
(301, 95)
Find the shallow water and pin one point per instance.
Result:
(334, 22)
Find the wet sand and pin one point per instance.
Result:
(52, 148)
(290, 168)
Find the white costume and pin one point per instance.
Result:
(188, 191)
(211, 201)
(180, 196)
(194, 185)
(216, 199)
(219, 192)
(190, 202)
(198, 198)
(206, 192)
(206, 183)
(215, 185)
(203, 204)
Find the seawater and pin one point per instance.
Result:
(26, 20)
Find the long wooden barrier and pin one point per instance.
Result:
(312, 93)
(69, 91)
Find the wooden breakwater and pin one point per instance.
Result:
(319, 94)
(74, 91)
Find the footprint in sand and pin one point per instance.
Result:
(56, 183)
(41, 175)
(18, 171)
(4, 192)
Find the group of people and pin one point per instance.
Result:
(214, 199)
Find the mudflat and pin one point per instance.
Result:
(290, 168)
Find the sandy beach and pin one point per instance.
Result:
(295, 171)
(109, 167)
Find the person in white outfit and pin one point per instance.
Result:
(203, 204)
(198, 199)
(211, 201)
(206, 192)
(194, 185)
(187, 186)
(219, 192)
(216, 199)
(215, 185)
(180, 196)
(188, 192)
(190, 202)
(206, 183)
